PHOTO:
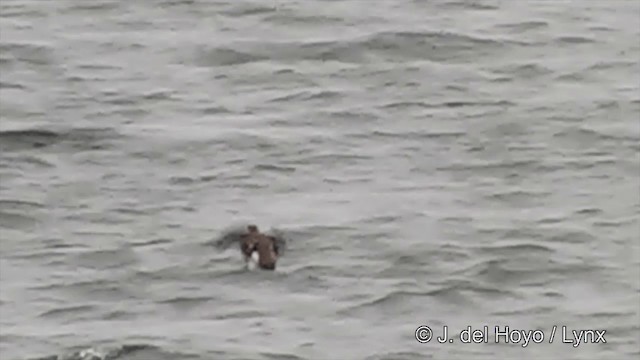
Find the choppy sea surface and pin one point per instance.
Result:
(437, 163)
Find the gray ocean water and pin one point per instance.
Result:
(437, 163)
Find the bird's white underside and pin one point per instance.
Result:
(252, 263)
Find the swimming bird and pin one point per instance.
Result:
(258, 249)
(262, 249)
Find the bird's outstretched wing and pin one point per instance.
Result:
(230, 238)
